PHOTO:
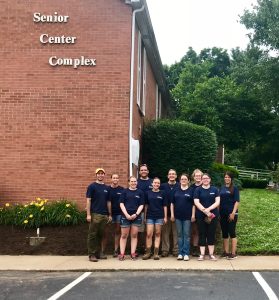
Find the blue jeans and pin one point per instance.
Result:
(183, 236)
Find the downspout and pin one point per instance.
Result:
(132, 87)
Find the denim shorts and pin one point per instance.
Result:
(128, 223)
(154, 221)
(116, 219)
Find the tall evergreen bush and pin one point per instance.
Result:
(177, 144)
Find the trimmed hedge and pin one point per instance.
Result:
(254, 183)
(220, 168)
(217, 171)
(177, 144)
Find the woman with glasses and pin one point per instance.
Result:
(183, 213)
(207, 200)
(197, 178)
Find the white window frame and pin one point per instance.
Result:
(144, 82)
(139, 69)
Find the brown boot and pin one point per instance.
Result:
(147, 254)
(156, 254)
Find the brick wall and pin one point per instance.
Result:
(58, 123)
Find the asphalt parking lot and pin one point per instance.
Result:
(137, 285)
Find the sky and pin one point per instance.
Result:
(180, 24)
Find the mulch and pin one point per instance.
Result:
(68, 240)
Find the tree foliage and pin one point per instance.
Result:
(237, 94)
(263, 20)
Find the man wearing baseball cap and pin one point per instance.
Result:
(98, 209)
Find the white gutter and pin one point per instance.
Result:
(132, 87)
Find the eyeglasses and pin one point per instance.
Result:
(207, 178)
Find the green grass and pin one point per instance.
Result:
(258, 222)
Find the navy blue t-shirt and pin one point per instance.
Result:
(145, 184)
(194, 186)
(114, 195)
(131, 199)
(99, 194)
(156, 202)
(168, 188)
(207, 198)
(227, 200)
(183, 203)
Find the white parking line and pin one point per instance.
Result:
(269, 292)
(69, 286)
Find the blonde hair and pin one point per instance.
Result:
(196, 171)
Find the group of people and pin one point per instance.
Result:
(176, 209)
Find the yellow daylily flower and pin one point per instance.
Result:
(67, 205)
(31, 216)
(25, 221)
(7, 204)
(67, 216)
(42, 208)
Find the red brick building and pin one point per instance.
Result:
(78, 81)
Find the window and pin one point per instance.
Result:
(141, 75)
(142, 106)
(158, 103)
(139, 70)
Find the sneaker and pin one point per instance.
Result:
(179, 257)
(165, 254)
(121, 257)
(201, 258)
(186, 257)
(232, 256)
(93, 258)
(134, 256)
(224, 255)
(115, 253)
(212, 257)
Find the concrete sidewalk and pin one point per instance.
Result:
(81, 263)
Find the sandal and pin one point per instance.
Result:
(201, 258)
(212, 257)
(121, 257)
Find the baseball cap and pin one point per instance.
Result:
(100, 170)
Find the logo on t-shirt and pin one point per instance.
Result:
(159, 197)
(187, 195)
(137, 196)
(119, 193)
(212, 193)
(106, 191)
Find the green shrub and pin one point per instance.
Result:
(177, 144)
(220, 168)
(40, 213)
(217, 171)
(254, 183)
